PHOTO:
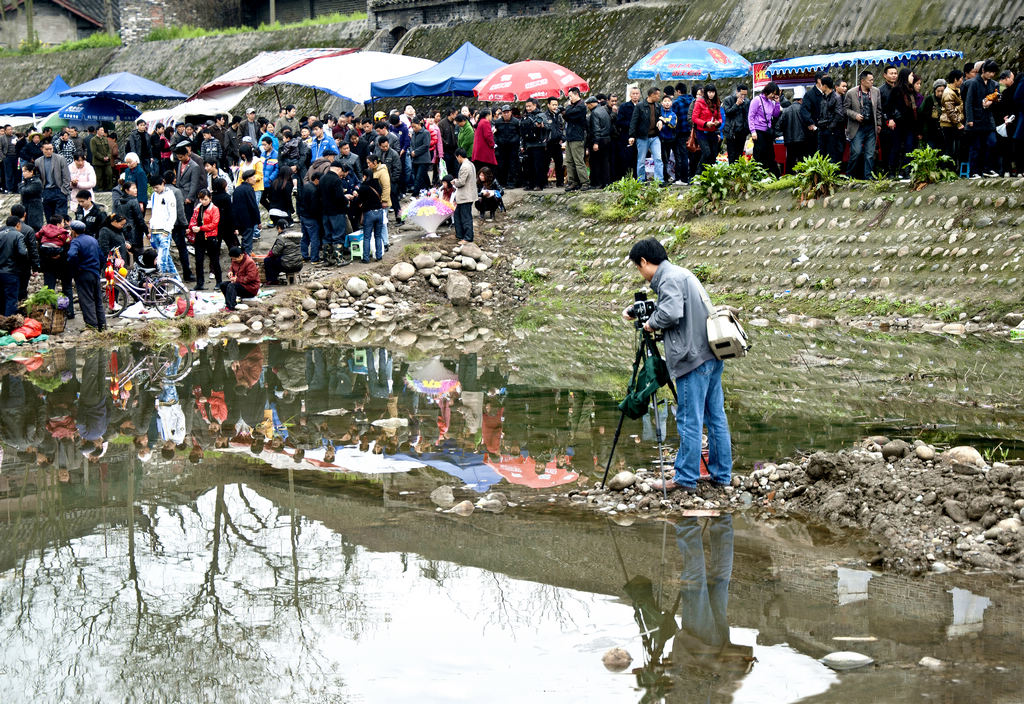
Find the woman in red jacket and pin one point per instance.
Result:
(203, 229)
(483, 142)
(707, 120)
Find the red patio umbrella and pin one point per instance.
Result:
(528, 79)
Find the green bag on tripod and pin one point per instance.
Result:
(651, 377)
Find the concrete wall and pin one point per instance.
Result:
(601, 45)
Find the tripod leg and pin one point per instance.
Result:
(661, 455)
(622, 416)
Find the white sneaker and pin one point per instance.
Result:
(992, 174)
(678, 183)
(212, 276)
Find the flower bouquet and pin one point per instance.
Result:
(428, 211)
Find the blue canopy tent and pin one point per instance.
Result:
(456, 75)
(123, 86)
(824, 62)
(42, 104)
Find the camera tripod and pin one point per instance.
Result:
(648, 347)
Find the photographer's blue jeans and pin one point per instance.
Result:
(653, 145)
(704, 583)
(701, 403)
(309, 245)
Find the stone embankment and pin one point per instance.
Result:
(929, 510)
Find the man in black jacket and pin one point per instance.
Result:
(736, 129)
(556, 134)
(449, 140)
(90, 212)
(831, 122)
(138, 142)
(334, 206)
(245, 209)
(625, 150)
(535, 134)
(643, 132)
(980, 125)
(506, 145)
(599, 128)
(575, 136)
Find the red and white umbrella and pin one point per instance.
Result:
(528, 79)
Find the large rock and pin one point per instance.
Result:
(423, 261)
(459, 289)
(895, 449)
(820, 465)
(403, 271)
(616, 660)
(356, 286)
(963, 454)
(443, 496)
(955, 510)
(308, 304)
(621, 481)
(471, 249)
(846, 660)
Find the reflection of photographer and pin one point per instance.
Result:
(680, 313)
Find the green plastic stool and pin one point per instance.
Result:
(356, 249)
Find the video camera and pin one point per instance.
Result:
(641, 310)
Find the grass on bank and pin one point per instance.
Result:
(187, 31)
(100, 40)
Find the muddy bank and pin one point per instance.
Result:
(928, 510)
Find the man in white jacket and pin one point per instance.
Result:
(163, 214)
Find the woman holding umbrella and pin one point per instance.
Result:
(707, 119)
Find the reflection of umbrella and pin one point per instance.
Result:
(528, 79)
(523, 470)
(428, 213)
(469, 467)
(432, 378)
(124, 86)
(690, 59)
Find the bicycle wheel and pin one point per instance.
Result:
(165, 295)
(175, 366)
(122, 301)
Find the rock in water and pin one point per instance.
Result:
(930, 662)
(459, 289)
(403, 271)
(616, 660)
(964, 454)
(443, 496)
(356, 286)
(494, 502)
(463, 508)
(621, 481)
(846, 660)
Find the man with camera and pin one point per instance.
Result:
(681, 313)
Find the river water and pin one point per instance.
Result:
(243, 522)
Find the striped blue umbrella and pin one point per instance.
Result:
(690, 60)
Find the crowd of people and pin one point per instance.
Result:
(270, 398)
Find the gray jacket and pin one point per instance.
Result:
(465, 184)
(61, 173)
(735, 117)
(420, 147)
(190, 181)
(852, 104)
(13, 252)
(682, 315)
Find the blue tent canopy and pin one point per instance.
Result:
(458, 74)
(824, 62)
(123, 86)
(42, 104)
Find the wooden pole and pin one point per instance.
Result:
(278, 96)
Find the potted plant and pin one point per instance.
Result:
(45, 306)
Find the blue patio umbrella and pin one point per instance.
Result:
(123, 86)
(690, 60)
(94, 110)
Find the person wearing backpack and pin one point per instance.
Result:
(681, 313)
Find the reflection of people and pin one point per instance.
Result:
(681, 313)
(704, 590)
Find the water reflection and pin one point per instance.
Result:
(339, 410)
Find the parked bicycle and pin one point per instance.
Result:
(166, 295)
